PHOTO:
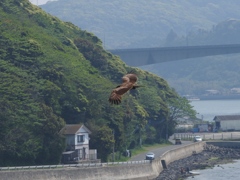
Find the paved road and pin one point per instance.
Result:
(158, 152)
(209, 136)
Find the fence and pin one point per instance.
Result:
(82, 165)
(209, 136)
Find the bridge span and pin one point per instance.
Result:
(145, 56)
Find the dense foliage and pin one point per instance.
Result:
(52, 73)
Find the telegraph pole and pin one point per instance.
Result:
(113, 155)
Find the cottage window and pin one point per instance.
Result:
(80, 138)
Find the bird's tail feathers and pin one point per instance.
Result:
(115, 99)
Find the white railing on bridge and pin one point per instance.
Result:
(82, 165)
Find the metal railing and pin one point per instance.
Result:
(82, 165)
(209, 136)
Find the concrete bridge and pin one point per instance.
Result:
(145, 56)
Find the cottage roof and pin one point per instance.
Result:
(73, 128)
(226, 117)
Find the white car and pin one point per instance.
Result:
(150, 156)
(197, 139)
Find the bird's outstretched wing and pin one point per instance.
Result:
(128, 83)
(116, 95)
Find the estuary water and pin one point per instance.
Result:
(208, 109)
(229, 171)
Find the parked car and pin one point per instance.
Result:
(178, 141)
(197, 139)
(150, 156)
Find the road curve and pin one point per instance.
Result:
(159, 151)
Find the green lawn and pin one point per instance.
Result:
(139, 150)
(146, 148)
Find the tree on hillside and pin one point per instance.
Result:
(178, 107)
(103, 140)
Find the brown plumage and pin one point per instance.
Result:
(129, 82)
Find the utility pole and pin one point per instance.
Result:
(140, 137)
(113, 155)
(167, 131)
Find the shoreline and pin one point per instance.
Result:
(208, 158)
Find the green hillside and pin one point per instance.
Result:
(52, 73)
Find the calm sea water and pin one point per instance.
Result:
(229, 171)
(208, 109)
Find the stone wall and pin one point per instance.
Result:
(138, 171)
(180, 153)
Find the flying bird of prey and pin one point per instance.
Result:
(128, 83)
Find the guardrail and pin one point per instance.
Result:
(209, 136)
(81, 165)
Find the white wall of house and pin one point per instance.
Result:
(85, 140)
(79, 141)
(82, 143)
(230, 125)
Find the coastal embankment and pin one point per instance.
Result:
(193, 156)
(211, 155)
(146, 170)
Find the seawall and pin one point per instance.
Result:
(227, 144)
(183, 152)
(117, 172)
(141, 171)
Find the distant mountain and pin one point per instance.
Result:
(141, 23)
(195, 76)
(225, 32)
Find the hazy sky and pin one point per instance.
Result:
(39, 2)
